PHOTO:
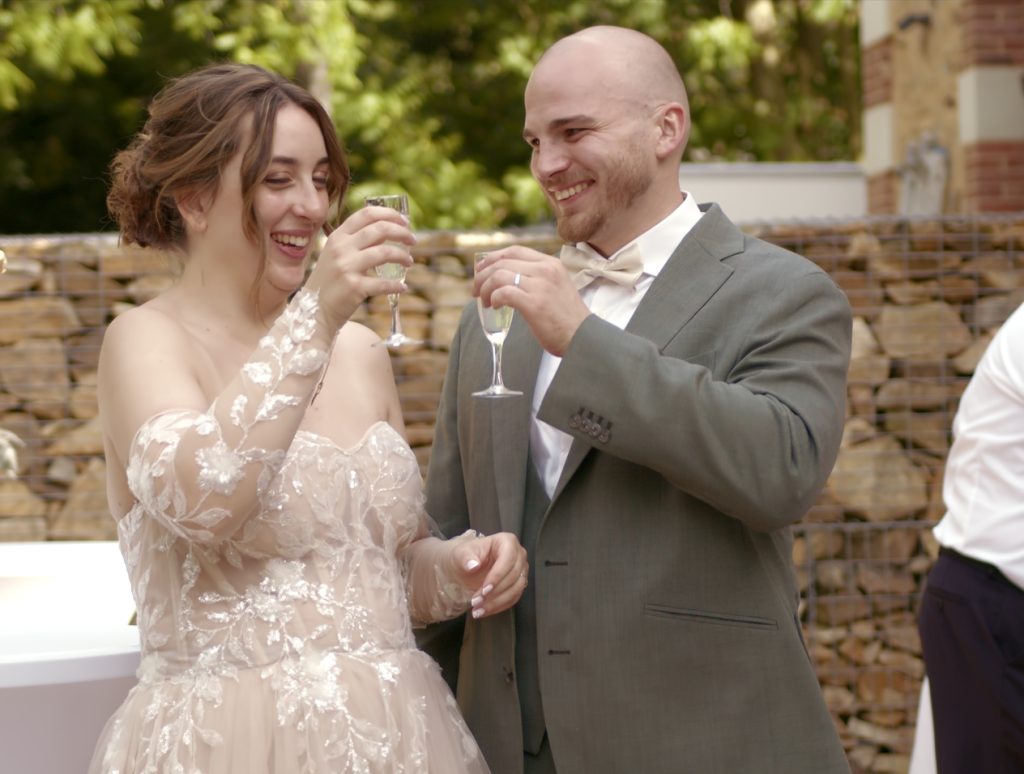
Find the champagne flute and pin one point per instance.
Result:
(495, 321)
(393, 271)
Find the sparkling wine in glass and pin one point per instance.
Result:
(495, 321)
(393, 271)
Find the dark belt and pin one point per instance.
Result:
(990, 570)
(969, 561)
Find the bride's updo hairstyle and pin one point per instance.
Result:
(196, 125)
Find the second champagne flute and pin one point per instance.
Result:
(495, 321)
(393, 271)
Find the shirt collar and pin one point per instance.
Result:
(659, 241)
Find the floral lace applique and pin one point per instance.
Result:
(186, 467)
(273, 588)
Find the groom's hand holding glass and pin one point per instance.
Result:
(495, 321)
(538, 287)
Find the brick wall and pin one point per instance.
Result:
(876, 73)
(993, 32)
(883, 193)
(951, 71)
(994, 174)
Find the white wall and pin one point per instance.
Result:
(749, 192)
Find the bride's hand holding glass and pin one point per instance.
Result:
(393, 270)
(345, 272)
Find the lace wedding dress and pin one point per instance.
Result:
(280, 640)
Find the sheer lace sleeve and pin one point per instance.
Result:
(201, 474)
(434, 593)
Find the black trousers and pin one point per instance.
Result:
(972, 632)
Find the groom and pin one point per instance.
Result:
(684, 400)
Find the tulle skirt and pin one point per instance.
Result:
(324, 713)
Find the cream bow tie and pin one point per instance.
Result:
(624, 269)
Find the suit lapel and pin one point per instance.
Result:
(510, 424)
(688, 280)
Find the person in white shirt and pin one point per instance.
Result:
(972, 611)
(684, 389)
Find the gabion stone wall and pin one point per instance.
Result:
(927, 296)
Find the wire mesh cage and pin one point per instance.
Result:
(926, 294)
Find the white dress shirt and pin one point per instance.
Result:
(616, 304)
(983, 486)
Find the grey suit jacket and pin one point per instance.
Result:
(667, 623)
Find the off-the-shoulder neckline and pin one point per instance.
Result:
(358, 445)
(348, 450)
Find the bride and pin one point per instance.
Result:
(268, 507)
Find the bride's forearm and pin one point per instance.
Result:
(203, 473)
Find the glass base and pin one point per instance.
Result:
(396, 340)
(496, 391)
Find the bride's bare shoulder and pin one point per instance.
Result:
(152, 325)
(358, 345)
(357, 336)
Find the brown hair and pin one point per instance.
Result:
(196, 125)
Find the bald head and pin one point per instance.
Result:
(630, 64)
(607, 121)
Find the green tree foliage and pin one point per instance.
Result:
(427, 94)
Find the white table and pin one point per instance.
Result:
(67, 654)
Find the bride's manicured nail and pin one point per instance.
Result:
(477, 600)
(472, 564)
(487, 589)
(478, 612)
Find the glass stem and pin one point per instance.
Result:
(496, 360)
(396, 324)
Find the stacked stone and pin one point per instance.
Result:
(55, 299)
(927, 296)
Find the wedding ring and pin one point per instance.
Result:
(517, 279)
